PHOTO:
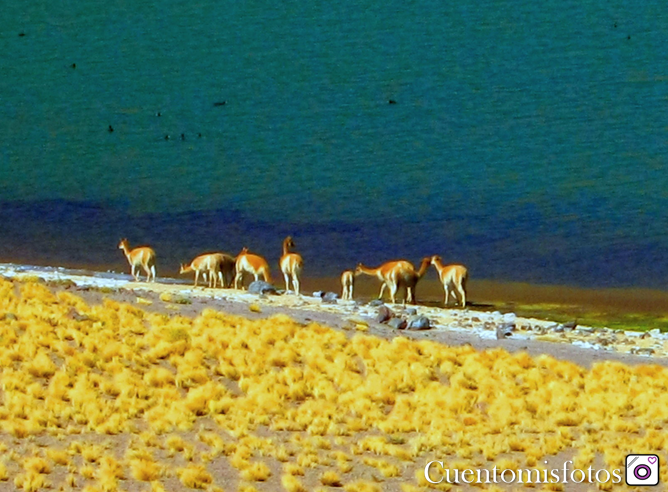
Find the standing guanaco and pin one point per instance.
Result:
(453, 278)
(347, 282)
(253, 264)
(393, 274)
(211, 265)
(143, 257)
(291, 265)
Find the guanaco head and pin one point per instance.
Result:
(436, 259)
(244, 251)
(123, 244)
(358, 269)
(184, 268)
(289, 242)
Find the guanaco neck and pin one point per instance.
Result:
(368, 271)
(436, 261)
(424, 266)
(286, 245)
(125, 248)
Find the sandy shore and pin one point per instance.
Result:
(584, 345)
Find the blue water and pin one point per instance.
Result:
(528, 140)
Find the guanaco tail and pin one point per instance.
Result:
(252, 264)
(143, 257)
(291, 265)
(453, 278)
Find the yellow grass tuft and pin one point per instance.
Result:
(145, 470)
(292, 484)
(330, 479)
(195, 476)
(256, 472)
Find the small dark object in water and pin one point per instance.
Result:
(183, 136)
(166, 137)
(391, 101)
(111, 129)
(628, 37)
(199, 135)
(221, 103)
(384, 314)
(74, 65)
(21, 34)
(158, 114)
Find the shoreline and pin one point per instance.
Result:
(473, 326)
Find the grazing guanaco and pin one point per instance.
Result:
(291, 265)
(393, 274)
(348, 282)
(253, 264)
(211, 265)
(143, 257)
(453, 278)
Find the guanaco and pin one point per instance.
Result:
(393, 274)
(253, 264)
(453, 278)
(347, 282)
(412, 280)
(143, 257)
(211, 265)
(291, 265)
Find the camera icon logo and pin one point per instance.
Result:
(642, 469)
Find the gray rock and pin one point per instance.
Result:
(411, 311)
(384, 314)
(261, 287)
(376, 302)
(509, 318)
(559, 329)
(77, 316)
(397, 323)
(418, 323)
(504, 330)
(319, 293)
(643, 351)
(329, 298)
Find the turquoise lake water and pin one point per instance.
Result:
(526, 140)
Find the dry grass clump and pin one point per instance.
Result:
(195, 476)
(182, 392)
